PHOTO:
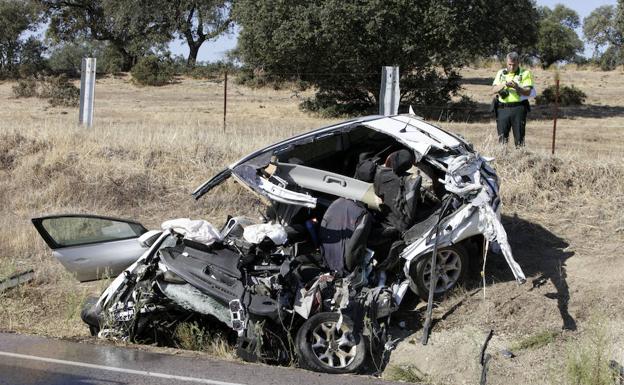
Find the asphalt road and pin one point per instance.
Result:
(31, 360)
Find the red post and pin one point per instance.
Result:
(555, 112)
(224, 100)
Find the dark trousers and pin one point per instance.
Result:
(509, 117)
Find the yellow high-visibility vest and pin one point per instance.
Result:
(523, 77)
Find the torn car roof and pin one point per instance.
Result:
(410, 130)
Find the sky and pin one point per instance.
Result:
(216, 50)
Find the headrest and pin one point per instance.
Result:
(400, 161)
(365, 170)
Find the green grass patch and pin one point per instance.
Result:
(407, 373)
(537, 341)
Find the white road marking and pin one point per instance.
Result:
(119, 370)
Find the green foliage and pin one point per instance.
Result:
(310, 42)
(257, 78)
(599, 27)
(134, 28)
(603, 28)
(610, 59)
(199, 21)
(60, 91)
(509, 26)
(568, 96)
(32, 61)
(153, 71)
(460, 110)
(211, 70)
(25, 88)
(110, 60)
(557, 39)
(619, 23)
(124, 24)
(16, 17)
(67, 57)
(587, 363)
(537, 341)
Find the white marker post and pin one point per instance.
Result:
(87, 91)
(389, 93)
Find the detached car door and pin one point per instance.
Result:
(92, 247)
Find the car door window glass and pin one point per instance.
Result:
(70, 231)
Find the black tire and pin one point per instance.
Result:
(90, 315)
(318, 336)
(452, 271)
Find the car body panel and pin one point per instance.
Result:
(330, 183)
(92, 247)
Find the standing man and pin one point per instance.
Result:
(512, 86)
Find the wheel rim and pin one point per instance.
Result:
(334, 348)
(448, 270)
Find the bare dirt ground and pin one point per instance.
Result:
(150, 147)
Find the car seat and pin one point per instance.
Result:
(399, 192)
(343, 235)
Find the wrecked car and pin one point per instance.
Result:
(354, 213)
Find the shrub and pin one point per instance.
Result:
(568, 96)
(57, 89)
(110, 61)
(588, 362)
(327, 108)
(25, 88)
(460, 110)
(610, 59)
(211, 70)
(257, 78)
(153, 71)
(60, 91)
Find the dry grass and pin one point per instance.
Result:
(191, 336)
(150, 147)
(407, 373)
(588, 359)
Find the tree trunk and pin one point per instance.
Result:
(127, 60)
(192, 58)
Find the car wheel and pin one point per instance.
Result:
(452, 263)
(325, 346)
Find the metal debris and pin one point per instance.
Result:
(485, 358)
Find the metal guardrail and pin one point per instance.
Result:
(16, 280)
